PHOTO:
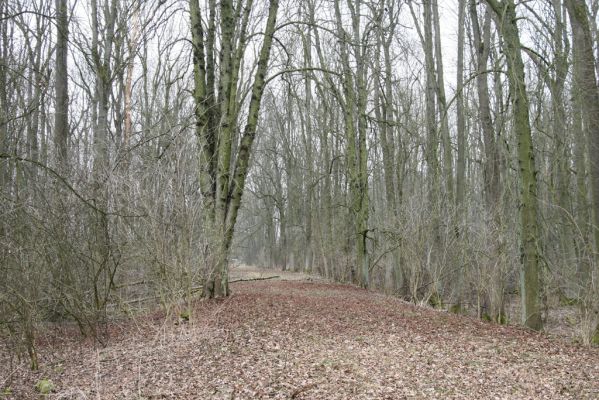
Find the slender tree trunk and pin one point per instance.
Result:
(384, 114)
(61, 117)
(491, 174)
(132, 47)
(586, 81)
(432, 139)
(4, 178)
(431, 127)
(363, 200)
(104, 274)
(443, 109)
(461, 143)
(308, 250)
(354, 91)
(562, 151)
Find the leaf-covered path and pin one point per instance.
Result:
(311, 340)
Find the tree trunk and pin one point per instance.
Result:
(491, 174)
(530, 241)
(443, 109)
(354, 91)
(431, 123)
(61, 117)
(104, 274)
(461, 142)
(586, 81)
(222, 190)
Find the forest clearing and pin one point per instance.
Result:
(307, 339)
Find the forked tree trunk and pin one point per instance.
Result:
(222, 190)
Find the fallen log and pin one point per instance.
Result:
(254, 279)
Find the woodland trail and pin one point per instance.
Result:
(278, 339)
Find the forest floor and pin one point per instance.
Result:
(296, 337)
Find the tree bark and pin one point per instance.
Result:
(530, 240)
(586, 81)
(221, 190)
(61, 117)
(491, 168)
(354, 91)
(461, 143)
(442, 101)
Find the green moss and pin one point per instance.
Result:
(568, 301)
(595, 339)
(184, 315)
(6, 392)
(456, 309)
(571, 320)
(435, 300)
(44, 386)
(500, 318)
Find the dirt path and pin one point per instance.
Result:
(313, 340)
